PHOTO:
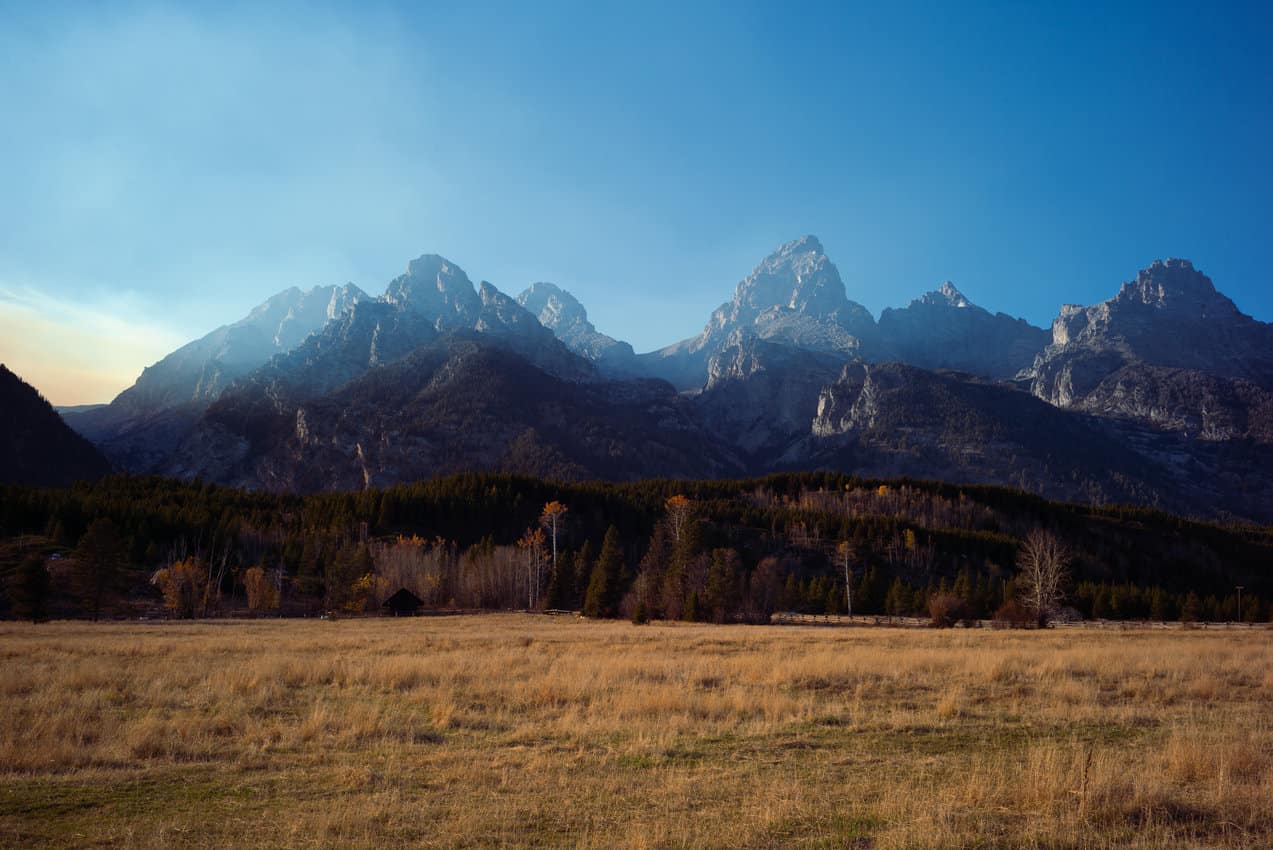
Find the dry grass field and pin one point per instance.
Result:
(516, 731)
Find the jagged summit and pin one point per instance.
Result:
(1175, 284)
(953, 295)
(947, 295)
(1167, 349)
(438, 288)
(1141, 316)
(794, 296)
(293, 314)
(561, 312)
(1173, 388)
(797, 276)
(942, 329)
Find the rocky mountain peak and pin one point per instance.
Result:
(1175, 284)
(794, 296)
(947, 295)
(561, 312)
(501, 313)
(555, 307)
(953, 295)
(797, 276)
(437, 288)
(1115, 355)
(942, 329)
(289, 317)
(1167, 294)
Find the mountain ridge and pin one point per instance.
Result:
(36, 446)
(439, 374)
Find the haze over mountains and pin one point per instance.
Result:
(1159, 396)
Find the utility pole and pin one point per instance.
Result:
(1239, 603)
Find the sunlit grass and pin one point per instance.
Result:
(516, 731)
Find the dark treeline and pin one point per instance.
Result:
(695, 550)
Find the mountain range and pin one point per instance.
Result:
(1162, 395)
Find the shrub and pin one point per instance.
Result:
(1012, 615)
(946, 609)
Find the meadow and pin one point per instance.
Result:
(519, 730)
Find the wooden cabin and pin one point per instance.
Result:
(403, 603)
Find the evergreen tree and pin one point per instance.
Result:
(594, 604)
(963, 586)
(561, 585)
(30, 590)
(99, 561)
(792, 596)
(605, 587)
(834, 604)
(866, 599)
(898, 599)
(582, 574)
(654, 566)
(310, 569)
(1100, 603)
(723, 578)
(690, 612)
(1192, 609)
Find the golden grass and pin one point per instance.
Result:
(533, 731)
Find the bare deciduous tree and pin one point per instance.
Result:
(532, 544)
(1042, 570)
(847, 552)
(550, 519)
(679, 510)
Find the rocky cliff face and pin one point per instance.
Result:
(944, 330)
(896, 420)
(560, 312)
(468, 401)
(1187, 401)
(795, 296)
(1168, 350)
(760, 395)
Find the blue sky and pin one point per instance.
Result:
(166, 167)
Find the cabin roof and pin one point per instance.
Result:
(403, 598)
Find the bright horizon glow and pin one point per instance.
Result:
(168, 169)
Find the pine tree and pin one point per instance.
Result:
(30, 590)
(582, 574)
(594, 604)
(1192, 609)
(723, 584)
(690, 612)
(897, 602)
(99, 561)
(561, 585)
(605, 588)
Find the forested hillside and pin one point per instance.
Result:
(701, 550)
(36, 446)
